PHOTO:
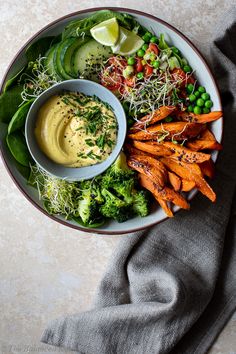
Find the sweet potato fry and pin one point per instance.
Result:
(175, 181)
(197, 145)
(166, 193)
(190, 172)
(187, 185)
(199, 118)
(173, 130)
(154, 117)
(131, 150)
(208, 168)
(152, 168)
(165, 207)
(152, 147)
(206, 140)
(186, 155)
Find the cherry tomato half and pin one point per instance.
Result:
(148, 70)
(111, 78)
(153, 48)
(139, 65)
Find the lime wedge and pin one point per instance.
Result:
(128, 43)
(106, 32)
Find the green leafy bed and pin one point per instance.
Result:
(113, 195)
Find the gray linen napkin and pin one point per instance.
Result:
(168, 288)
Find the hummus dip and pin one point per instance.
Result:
(75, 130)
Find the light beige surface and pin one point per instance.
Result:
(46, 269)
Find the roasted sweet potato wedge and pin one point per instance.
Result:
(173, 130)
(197, 145)
(199, 118)
(175, 181)
(208, 168)
(131, 150)
(187, 186)
(165, 206)
(153, 148)
(152, 168)
(154, 117)
(166, 193)
(186, 155)
(190, 172)
(206, 140)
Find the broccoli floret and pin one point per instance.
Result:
(88, 207)
(114, 207)
(120, 179)
(125, 189)
(141, 203)
(119, 170)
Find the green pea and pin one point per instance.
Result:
(197, 110)
(140, 75)
(205, 110)
(154, 39)
(205, 96)
(192, 97)
(197, 93)
(140, 53)
(131, 61)
(200, 102)
(190, 108)
(147, 36)
(201, 89)
(208, 104)
(155, 64)
(187, 69)
(145, 47)
(168, 119)
(190, 88)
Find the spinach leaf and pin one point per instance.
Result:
(17, 146)
(77, 27)
(38, 48)
(24, 171)
(18, 120)
(13, 79)
(9, 103)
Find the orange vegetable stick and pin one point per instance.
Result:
(150, 167)
(199, 118)
(208, 168)
(187, 185)
(173, 130)
(154, 117)
(166, 193)
(175, 181)
(184, 154)
(165, 207)
(191, 172)
(152, 147)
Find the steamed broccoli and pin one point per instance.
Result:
(141, 203)
(119, 170)
(88, 207)
(114, 207)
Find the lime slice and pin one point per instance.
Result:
(106, 32)
(128, 43)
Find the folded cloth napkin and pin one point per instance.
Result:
(171, 288)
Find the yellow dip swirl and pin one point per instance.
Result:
(75, 130)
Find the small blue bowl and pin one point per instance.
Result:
(89, 88)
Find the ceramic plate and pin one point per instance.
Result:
(176, 38)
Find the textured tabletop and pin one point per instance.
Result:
(46, 269)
